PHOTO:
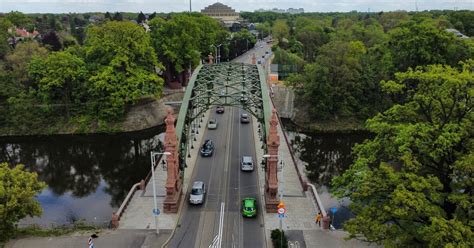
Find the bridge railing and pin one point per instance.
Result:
(141, 185)
(300, 177)
(304, 183)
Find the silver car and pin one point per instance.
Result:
(212, 124)
(246, 163)
(244, 118)
(198, 193)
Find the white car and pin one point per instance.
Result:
(212, 124)
(246, 163)
(198, 193)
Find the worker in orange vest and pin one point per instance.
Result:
(318, 218)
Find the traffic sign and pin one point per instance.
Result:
(281, 216)
(281, 211)
(333, 210)
(156, 211)
(281, 205)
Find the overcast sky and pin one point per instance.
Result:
(149, 6)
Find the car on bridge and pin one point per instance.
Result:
(220, 109)
(207, 148)
(198, 192)
(249, 207)
(246, 163)
(243, 98)
(212, 124)
(244, 118)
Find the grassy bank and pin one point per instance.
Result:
(327, 126)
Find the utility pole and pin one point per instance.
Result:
(416, 5)
(190, 9)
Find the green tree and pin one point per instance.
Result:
(312, 37)
(141, 17)
(18, 19)
(332, 85)
(418, 43)
(263, 29)
(117, 16)
(108, 16)
(60, 78)
(4, 46)
(123, 62)
(17, 63)
(17, 191)
(280, 30)
(411, 186)
(390, 20)
(182, 40)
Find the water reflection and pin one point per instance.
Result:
(87, 175)
(326, 155)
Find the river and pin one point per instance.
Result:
(87, 176)
(326, 155)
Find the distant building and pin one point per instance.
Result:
(295, 11)
(457, 33)
(282, 11)
(225, 14)
(221, 12)
(20, 34)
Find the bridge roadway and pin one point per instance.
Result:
(226, 183)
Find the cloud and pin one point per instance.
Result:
(148, 6)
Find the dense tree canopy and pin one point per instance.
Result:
(60, 78)
(332, 85)
(183, 40)
(421, 43)
(280, 30)
(411, 186)
(17, 191)
(123, 63)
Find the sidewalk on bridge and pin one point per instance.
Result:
(301, 209)
(138, 214)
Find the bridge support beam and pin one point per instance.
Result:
(173, 181)
(271, 179)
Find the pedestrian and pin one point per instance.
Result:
(90, 241)
(318, 218)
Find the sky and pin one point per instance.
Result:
(149, 6)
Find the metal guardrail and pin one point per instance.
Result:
(319, 203)
(117, 215)
(126, 201)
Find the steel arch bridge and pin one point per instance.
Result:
(224, 84)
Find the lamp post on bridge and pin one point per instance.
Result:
(155, 209)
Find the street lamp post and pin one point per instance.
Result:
(219, 53)
(154, 187)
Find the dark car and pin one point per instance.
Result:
(220, 109)
(207, 148)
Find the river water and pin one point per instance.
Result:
(88, 176)
(326, 155)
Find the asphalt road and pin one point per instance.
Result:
(226, 183)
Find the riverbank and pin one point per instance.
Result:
(146, 114)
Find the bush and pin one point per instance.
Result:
(277, 240)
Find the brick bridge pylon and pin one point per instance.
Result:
(173, 182)
(271, 179)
